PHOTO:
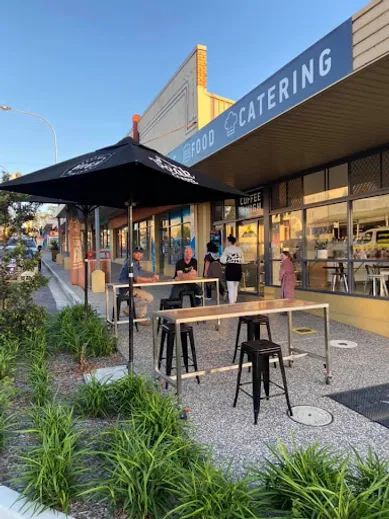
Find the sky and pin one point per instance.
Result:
(88, 66)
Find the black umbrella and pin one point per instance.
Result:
(124, 174)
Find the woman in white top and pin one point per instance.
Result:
(233, 258)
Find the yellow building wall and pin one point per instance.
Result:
(368, 314)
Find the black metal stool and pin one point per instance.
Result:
(119, 300)
(168, 335)
(258, 353)
(254, 324)
(191, 295)
(168, 304)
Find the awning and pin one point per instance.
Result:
(347, 118)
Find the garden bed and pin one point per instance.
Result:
(124, 449)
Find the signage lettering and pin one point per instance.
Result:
(250, 205)
(321, 65)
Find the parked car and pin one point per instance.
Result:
(14, 270)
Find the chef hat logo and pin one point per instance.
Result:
(230, 123)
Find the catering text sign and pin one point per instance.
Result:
(327, 61)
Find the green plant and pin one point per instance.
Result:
(93, 399)
(290, 470)
(54, 245)
(73, 330)
(366, 472)
(51, 472)
(141, 474)
(7, 393)
(40, 380)
(7, 363)
(210, 493)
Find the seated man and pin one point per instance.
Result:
(141, 297)
(186, 268)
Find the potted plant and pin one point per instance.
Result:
(54, 249)
(321, 249)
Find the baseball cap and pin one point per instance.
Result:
(138, 249)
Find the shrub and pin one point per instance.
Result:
(93, 399)
(40, 380)
(141, 475)
(22, 317)
(210, 493)
(50, 472)
(7, 392)
(74, 329)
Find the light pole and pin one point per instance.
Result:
(8, 109)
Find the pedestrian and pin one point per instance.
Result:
(287, 276)
(40, 258)
(232, 257)
(210, 257)
(141, 297)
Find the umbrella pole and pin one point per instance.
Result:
(86, 212)
(130, 289)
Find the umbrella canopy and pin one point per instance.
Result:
(124, 174)
(112, 176)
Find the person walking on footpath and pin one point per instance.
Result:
(287, 276)
(232, 257)
(210, 257)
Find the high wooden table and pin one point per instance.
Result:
(112, 288)
(219, 312)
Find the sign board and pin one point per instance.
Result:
(326, 62)
(251, 205)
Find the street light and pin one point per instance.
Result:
(8, 108)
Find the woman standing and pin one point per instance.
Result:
(287, 276)
(233, 258)
(211, 256)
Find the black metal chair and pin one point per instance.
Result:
(120, 298)
(168, 304)
(259, 353)
(254, 324)
(168, 336)
(192, 297)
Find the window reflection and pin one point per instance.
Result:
(330, 275)
(286, 234)
(371, 228)
(326, 232)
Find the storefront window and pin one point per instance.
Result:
(338, 181)
(121, 242)
(314, 187)
(229, 210)
(286, 234)
(328, 275)
(326, 232)
(104, 237)
(175, 236)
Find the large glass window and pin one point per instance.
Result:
(175, 235)
(121, 242)
(286, 235)
(326, 232)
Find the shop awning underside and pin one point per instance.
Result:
(345, 119)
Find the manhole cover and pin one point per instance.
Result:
(309, 415)
(343, 344)
(304, 331)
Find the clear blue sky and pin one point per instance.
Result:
(88, 66)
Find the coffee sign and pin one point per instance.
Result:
(251, 205)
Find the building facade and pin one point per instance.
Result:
(310, 146)
(182, 108)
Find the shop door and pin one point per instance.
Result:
(251, 241)
(164, 250)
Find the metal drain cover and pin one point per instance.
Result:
(309, 415)
(343, 344)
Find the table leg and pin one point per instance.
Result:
(115, 312)
(374, 287)
(154, 321)
(203, 293)
(327, 345)
(217, 301)
(290, 326)
(178, 359)
(106, 303)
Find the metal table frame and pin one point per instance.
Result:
(191, 315)
(113, 287)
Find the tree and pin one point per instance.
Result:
(16, 296)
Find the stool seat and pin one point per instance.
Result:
(263, 347)
(171, 328)
(255, 319)
(168, 304)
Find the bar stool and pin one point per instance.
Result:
(191, 295)
(168, 335)
(168, 304)
(254, 324)
(119, 300)
(259, 352)
(338, 276)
